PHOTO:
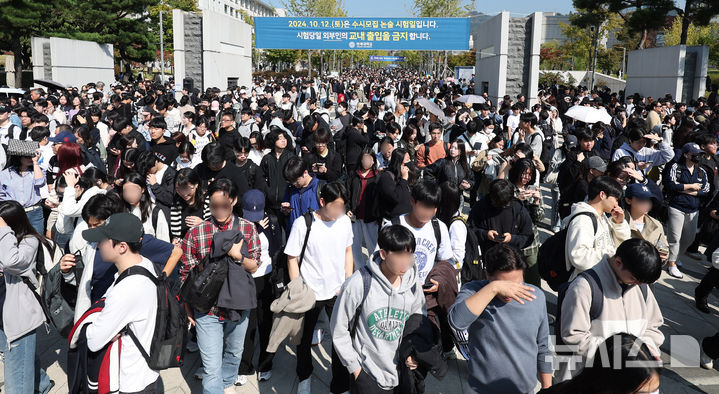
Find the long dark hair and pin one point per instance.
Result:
(14, 215)
(462, 159)
(636, 365)
(188, 176)
(395, 163)
(518, 168)
(450, 202)
(145, 200)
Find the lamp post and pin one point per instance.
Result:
(624, 64)
(162, 49)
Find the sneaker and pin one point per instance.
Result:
(265, 376)
(705, 361)
(192, 346)
(305, 386)
(673, 270)
(556, 229)
(199, 373)
(317, 336)
(241, 380)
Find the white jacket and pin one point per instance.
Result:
(584, 248)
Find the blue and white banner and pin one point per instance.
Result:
(441, 34)
(374, 58)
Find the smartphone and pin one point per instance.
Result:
(427, 285)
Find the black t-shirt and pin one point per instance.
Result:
(166, 152)
(231, 172)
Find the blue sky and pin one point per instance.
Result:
(397, 8)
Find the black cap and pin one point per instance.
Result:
(121, 227)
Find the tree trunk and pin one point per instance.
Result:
(17, 61)
(309, 64)
(685, 23)
(643, 41)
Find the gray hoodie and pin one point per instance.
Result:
(382, 318)
(21, 312)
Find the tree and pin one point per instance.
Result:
(696, 12)
(694, 35)
(639, 16)
(442, 8)
(20, 21)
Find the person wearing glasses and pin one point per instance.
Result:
(228, 134)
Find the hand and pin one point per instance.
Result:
(508, 290)
(697, 186)
(115, 151)
(285, 207)
(50, 204)
(713, 214)
(405, 172)
(643, 165)
(193, 221)
(492, 235)
(177, 242)
(305, 150)
(507, 237)
(464, 185)
(151, 179)
(37, 156)
(67, 262)
(618, 214)
(351, 215)
(357, 373)
(633, 173)
(264, 223)
(663, 255)
(190, 315)
(434, 288)
(580, 156)
(81, 119)
(411, 363)
(653, 137)
(322, 169)
(71, 177)
(236, 251)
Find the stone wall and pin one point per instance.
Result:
(72, 62)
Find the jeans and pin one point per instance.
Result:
(340, 376)
(220, 366)
(365, 234)
(22, 368)
(555, 207)
(37, 220)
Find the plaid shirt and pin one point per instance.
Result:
(197, 242)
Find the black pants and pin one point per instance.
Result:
(708, 282)
(340, 376)
(365, 384)
(260, 320)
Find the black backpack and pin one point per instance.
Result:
(205, 280)
(372, 204)
(170, 335)
(280, 275)
(552, 262)
(595, 308)
(472, 265)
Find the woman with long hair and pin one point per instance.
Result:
(408, 141)
(365, 232)
(22, 314)
(453, 169)
(190, 207)
(522, 174)
(394, 185)
(89, 146)
(139, 203)
(69, 155)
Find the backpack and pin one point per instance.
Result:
(596, 306)
(552, 262)
(55, 296)
(170, 335)
(205, 280)
(547, 144)
(280, 275)
(435, 227)
(472, 265)
(372, 204)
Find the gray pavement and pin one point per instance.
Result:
(675, 297)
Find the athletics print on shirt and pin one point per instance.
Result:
(387, 323)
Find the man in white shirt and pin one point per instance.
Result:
(7, 129)
(324, 264)
(513, 119)
(131, 302)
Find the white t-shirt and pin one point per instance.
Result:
(323, 265)
(265, 266)
(133, 301)
(425, 251)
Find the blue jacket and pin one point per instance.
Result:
(301, 201)
(675, 177)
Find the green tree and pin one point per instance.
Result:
(442, 8)
(639, 16)
(22, 20)
(694, 35)
(697, 13)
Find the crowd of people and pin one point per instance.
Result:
(381, 197)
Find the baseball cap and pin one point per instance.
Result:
(121, 227)
(596, 163)
(64, 137)
(253, 205)
(691, 148)
(4, 108)
(571, 141)
(637, 190)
